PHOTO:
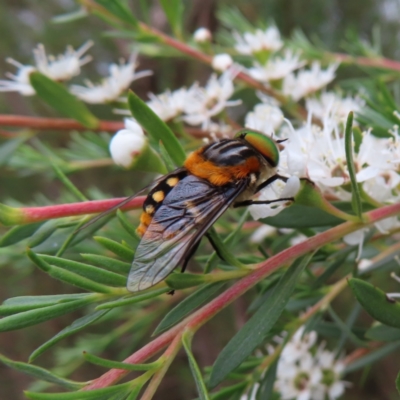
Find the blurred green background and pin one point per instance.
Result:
(23, 24)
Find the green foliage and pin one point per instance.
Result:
(376, 302)
(42, 166)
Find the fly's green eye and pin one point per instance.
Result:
(263, 144)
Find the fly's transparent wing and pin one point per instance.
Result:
(186, 213)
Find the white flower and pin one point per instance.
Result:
(276, 190)
(221, 62)
(261, 233)
(356, 238)
(60, 68)
(306, 374)
(121, 76)
(20, 81)
(127, 143)
(277, 68)
(394, 295)
(211, 100)
(308, 81)
(250, 43)
(298, 345)
(331, 104)
(265, 118)
(169, 105)
(64, 66)
(364, 264)
(202, 35)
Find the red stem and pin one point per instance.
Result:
(56, 123)
(201, 316)
(369, 62)
(36, 214)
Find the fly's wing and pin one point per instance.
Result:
(186, 213)
(127, 200)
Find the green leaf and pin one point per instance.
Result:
(132, 299)
(376, 303)
(76, 326)
(398, 382)
(118, 365)
(58, 97)
(41, 373)
(18, 233)
(96, 394)
(25, 303)
(182, 281)
(156, 128)
(67, 276)
(88, 271)
(108, 263)
(198, 377)
(383, 333)
(120, 10)
(256, 328)
(9, 147)
(36, 316)
(228, 391)
(127, 225)
(355, 191)
(44, 232)
(299, 216)
(117, 248)
(371, 357)
(169, 164)
(267, 384)
(187, 305)
(174, 10)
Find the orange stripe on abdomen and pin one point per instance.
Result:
(217, 175)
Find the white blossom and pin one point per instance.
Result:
(331, 104)
(64, 66)
(111, 88)
(276, 68)
(209, 101)
(59, 68)
(169, 105)
(221, 62)
(308, 81)
(20, 81)
(127, 143)
(261, 40)
(306, 374)
(265, 118)
(276, 190)
(261, 233)
(202, 35)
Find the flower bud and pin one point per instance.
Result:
(221, 62)
(127, 144)
(129, 148)
(202, 35)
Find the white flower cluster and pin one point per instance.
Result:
(60, 68)
(318, 153)
(272, 63)
(196, 105)
(306, 372)
(66, 66)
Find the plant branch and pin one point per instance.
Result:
(26, 215)
(380, 62)
(201, 316)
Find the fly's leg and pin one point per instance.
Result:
(214, 246)
(250, 202)
(189, 256)
(270, 180)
